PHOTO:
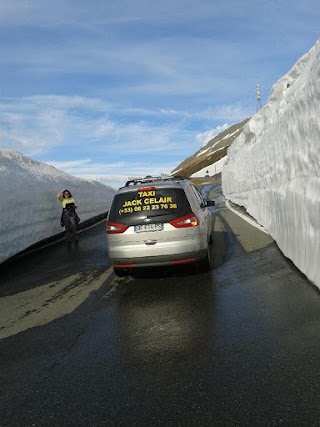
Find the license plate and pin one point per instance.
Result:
(148, 227)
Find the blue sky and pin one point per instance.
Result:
(109, 89)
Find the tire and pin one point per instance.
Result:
(120, 272)
(205, 263)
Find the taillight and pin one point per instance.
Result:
(185, 221)
(115, 228)
(146, 188)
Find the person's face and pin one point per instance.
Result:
(66, 194)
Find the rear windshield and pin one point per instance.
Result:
(159, 205)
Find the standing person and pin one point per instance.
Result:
(69, 217)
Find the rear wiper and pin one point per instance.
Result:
(163, 214)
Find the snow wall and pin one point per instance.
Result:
(29, 209)
(273, 167)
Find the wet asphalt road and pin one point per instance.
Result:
(238, 346)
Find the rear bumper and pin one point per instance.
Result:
(160, 260)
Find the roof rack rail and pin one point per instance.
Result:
(148, 178)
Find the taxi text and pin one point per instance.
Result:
(147, 201)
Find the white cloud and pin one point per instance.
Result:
(205, 137)
(36, 124)
(114, 174)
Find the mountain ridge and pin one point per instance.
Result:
(213, 151)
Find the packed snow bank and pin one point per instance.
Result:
(273, 167)
(29, 209)
(210, 170)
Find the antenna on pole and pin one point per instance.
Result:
(259, 106)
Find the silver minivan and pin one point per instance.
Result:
(155, 221)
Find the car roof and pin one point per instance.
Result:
(162, 181)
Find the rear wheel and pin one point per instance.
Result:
(205, 264)
(120, 272)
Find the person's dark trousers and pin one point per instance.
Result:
(69, 220)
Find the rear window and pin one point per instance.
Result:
(157, 204)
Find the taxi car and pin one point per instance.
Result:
(155, 221)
